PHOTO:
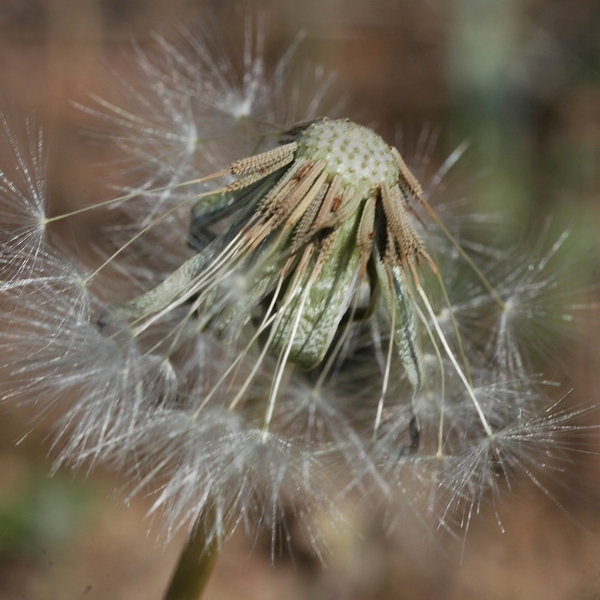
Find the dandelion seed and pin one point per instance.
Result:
(23, 196)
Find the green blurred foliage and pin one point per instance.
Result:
(42, 513)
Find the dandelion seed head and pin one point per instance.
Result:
(306, 336)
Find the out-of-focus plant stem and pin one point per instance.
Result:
(196, 562)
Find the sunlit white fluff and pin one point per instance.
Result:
(22, 195)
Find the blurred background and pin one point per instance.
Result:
(520, 81)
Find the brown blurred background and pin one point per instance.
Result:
(519, 79)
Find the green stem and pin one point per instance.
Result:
(196, 562)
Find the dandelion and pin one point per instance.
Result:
(305, 347)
